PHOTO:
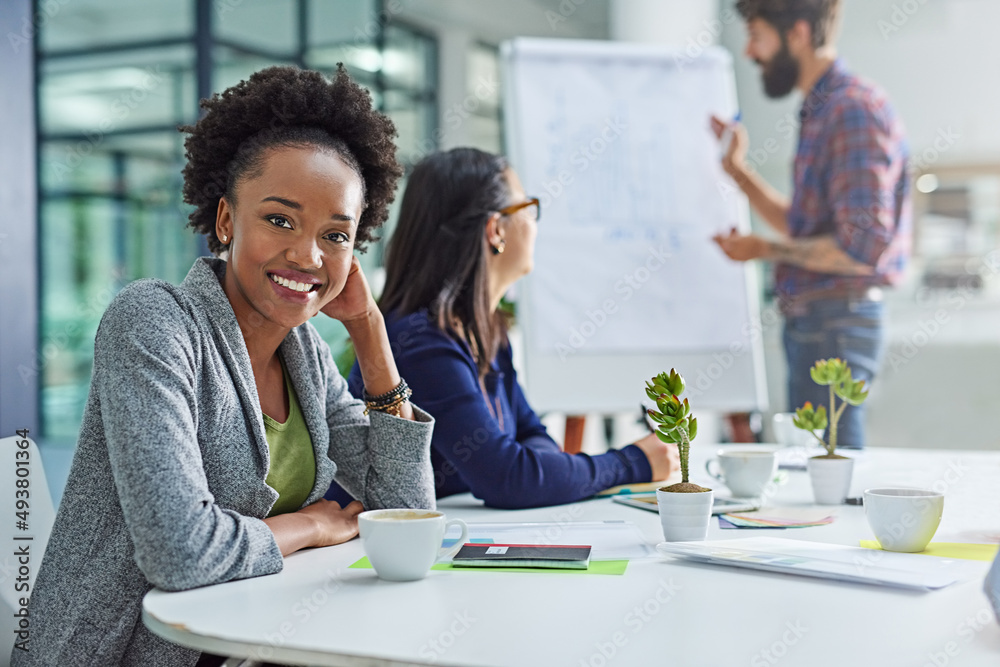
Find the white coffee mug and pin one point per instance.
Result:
(903, 519)
(746, 473)
(402, 544)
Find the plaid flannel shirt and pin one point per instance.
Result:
(850, 181)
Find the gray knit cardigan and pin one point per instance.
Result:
(167, 485)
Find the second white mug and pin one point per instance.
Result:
(746, 473)
(903, 519)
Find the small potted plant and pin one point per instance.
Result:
(685, 508)
(830, 473)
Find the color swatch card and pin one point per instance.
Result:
(778, 517)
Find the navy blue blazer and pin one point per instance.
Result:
(492, 443)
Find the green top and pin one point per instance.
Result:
(293, 464)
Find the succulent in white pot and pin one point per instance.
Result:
(830, 473)
(685, 509)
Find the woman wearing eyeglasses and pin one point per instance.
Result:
(466, 233)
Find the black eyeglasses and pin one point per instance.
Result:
(514, 208)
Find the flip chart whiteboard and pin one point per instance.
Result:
(615, 141)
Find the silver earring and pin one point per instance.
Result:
(225, 238)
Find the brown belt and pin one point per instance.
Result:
(799, 304)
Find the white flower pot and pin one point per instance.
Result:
(831, 479)
(684, 516)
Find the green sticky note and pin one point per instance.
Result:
(963, 550)
(596, 567)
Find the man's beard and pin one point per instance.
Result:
(780, 74)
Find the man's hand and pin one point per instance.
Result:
(742, 248)
(770, 204)
(816, 253)
(734, 159)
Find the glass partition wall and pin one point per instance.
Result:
(115, 79)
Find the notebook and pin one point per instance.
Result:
(564, 556)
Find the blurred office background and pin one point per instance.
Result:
(97, 88)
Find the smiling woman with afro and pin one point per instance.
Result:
(282, 106)
(216, 417)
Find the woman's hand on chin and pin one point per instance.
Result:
(355, 302)
(356, 308)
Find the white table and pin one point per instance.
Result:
(318, 612)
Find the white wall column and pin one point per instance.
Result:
(667, 22)
(453, 59)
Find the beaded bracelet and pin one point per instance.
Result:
(395, 409)
(388, 396)
(390, 401)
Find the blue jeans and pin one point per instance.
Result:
(851, 329)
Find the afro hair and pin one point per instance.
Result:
(287, 106)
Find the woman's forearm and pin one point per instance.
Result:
(378, 368)
(318, 525)
(292, 531)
